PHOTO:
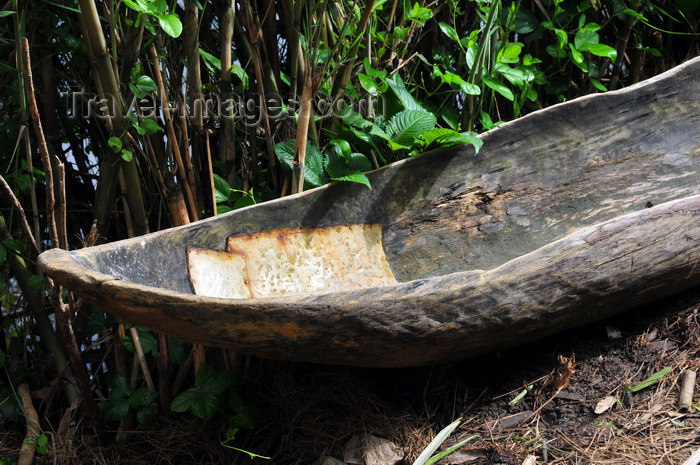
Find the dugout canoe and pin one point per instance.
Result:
(566, 216)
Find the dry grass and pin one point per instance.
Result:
(310, 411)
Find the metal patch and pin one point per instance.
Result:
(217, 274)
(292, 262)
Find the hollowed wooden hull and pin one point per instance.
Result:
(565, 216)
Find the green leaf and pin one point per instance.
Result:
(314, 175)
(244, 201)
(238, 71)
(211, 381)
(525, 21)
(222, 190)
(555, 51)
(360, 178)
(653, 379)
(146, 414)
(405, 126)
(114, 409)
(212, 63)
(36, 282)
(381, 74)
(602, 50)
(449, 31)
(447, 138)
(176, 348)
(148, 341)
(183, 402)
(435, 135)
(599, 85)
(404, 96)
(562, 37)
(499, 87)
(136, 6)
(2, 358)
(512, 51)
(449, 77)
(585, 38)
(348, 167)
(517, 76)
(142, 397)
(441, 437)
(635, 14)
(149, 126)
(246, 416)
(127, 155)
(171, 24)
(341, 146)
(205, 405)
(578, 59)
(4, 14)
(12, 244)
(143, 86)
(441, 455)
(120, 389)
(356, 120)
(115, 143)
(368, 83)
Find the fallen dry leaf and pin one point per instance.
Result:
(562, 375)
(604, 405)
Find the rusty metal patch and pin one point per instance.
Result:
(292, 262)
(217, 274)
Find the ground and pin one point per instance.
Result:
(307, 412)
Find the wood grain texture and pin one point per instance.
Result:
(566, 216)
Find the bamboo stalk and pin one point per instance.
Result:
(26, 452)
(176, 206)
(107, 77)
(32, 188)
(24, 224)
(179, 216)
(61, 209)
(63, 321)
(266, 85)
(142, 359)
(170, 131)
(41, 140)
(302, 133)
(339, 86)
(227, 143)
(21, 273)
(165, 387)
(685, 400)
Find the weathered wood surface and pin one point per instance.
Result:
(566, 216)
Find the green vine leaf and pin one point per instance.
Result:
(314, 175)
(170, 24)
(499, 87)
(405, 127)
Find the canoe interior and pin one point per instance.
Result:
(534, 181)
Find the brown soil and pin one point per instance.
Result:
(308, 412)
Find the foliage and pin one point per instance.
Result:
(122, 399)
(161, 113)
(41, 443)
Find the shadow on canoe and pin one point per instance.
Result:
(566, 216)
